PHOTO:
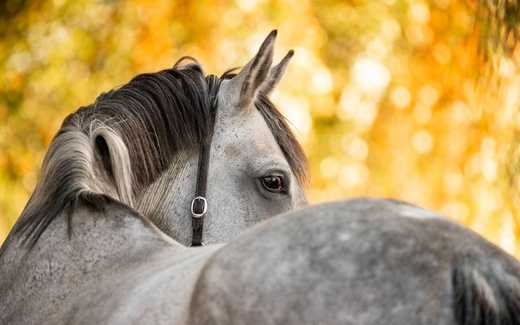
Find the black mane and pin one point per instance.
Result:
(157, 115)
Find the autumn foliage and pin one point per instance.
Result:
(394, 98)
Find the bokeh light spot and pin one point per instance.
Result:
(321, 81)
(371, 75)
(400, 97)
(419, 12)
(422, 141)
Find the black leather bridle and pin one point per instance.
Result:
(199, 204)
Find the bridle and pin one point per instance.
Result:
(199, 204)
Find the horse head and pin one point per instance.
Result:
(155, 142)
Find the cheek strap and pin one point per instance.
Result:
(199, 205)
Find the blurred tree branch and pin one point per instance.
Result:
(10, 8)
(498, 24)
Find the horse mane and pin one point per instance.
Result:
(132, 134)
(485, 292)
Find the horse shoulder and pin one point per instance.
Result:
(70, 258)
(153, 293)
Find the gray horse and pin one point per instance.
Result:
(365, 261)
(94, 244)
(132, 158)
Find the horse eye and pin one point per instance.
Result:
(274, 183)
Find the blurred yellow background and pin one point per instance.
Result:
(392, 98)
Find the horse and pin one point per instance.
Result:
(104, 259)
(170, 159)
(364, 261)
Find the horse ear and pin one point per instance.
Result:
(276, 74)
(113, 163)
(485, 294)
(246, 84)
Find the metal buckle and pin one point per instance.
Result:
(204, 207)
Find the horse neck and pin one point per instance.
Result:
(58, 267)
(169, 192)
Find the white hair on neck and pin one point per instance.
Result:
(120, 166)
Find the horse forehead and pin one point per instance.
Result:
(249, 134)
(242, 126)
(246, 125)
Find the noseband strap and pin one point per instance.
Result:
(199, 205)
